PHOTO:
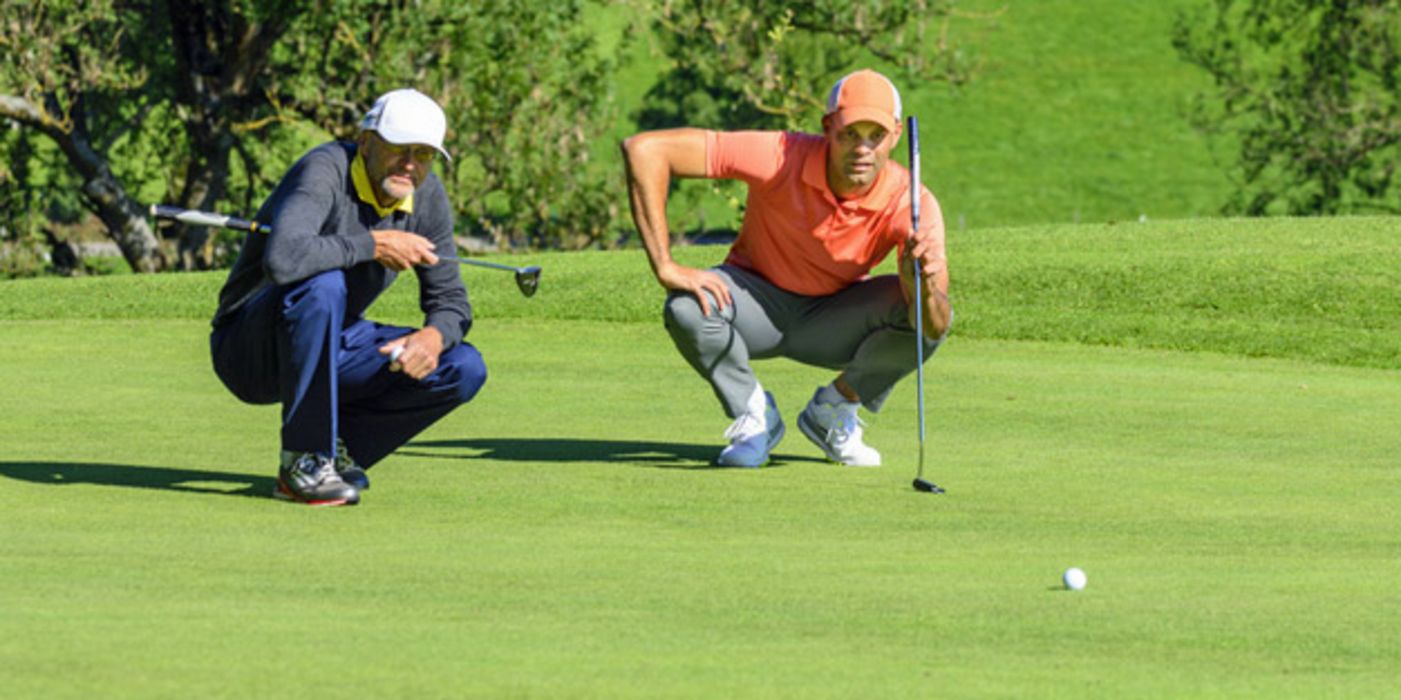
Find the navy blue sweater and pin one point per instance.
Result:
(318, 224)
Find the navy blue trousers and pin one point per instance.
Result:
(292, 344)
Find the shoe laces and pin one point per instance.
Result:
(746, 426)
(343, 459)
(846, 425)
(317, 467)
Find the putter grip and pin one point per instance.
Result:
(202, 218)
(913, 128)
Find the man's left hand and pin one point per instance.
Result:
(421, 350)
(929, 249)
(934, 282)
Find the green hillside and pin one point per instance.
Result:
(1079, 112)
(1076, 114)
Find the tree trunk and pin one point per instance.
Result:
(125, 219)
(205, 183)
(218, 55)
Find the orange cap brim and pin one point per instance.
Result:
(843, 118)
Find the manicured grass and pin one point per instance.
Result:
(1201, 415)
(562, 536)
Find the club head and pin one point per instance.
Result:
(927, 487)
(528, 279)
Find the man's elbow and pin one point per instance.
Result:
(281, 270)
(632, 147)
(937, 323)
(937, 317)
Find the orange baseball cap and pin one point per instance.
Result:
(864, 96)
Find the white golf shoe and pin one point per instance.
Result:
(835, 429)
(752, 436)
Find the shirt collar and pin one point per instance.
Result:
(876, 199)
(366, 192)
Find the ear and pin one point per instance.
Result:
(827, 123)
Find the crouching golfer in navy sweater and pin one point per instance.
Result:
(290, 327)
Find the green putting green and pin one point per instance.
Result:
(564, 535)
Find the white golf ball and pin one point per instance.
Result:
(1074, 579)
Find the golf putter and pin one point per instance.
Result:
(912, 133)
(527, 278)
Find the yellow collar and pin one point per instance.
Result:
(366, 192)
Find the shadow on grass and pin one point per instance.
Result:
(660, 455)
(186, 480)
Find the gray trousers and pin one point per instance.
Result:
(863, 330)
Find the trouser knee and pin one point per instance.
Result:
(462, 372)
(682, 314)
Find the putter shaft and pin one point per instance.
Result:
(480, 263)
(912, 129)
(527, 278)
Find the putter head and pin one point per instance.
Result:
(528, 280)
(927, 487)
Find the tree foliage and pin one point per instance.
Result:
(64, 66)
(525, 91)
(758, 64)
(1309, 89)
(115, 104)
(206, 102)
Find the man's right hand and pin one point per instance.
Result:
(697, 282)
(401, 250)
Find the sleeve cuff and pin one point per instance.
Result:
(362, 248)
(452, 332)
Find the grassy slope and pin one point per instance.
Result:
(1233, 515)
(1316, 289)
(1077, 111)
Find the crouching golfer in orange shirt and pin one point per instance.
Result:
(822, 212)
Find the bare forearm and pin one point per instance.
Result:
(937, 311)
(652, 159)
(934, 297)
(648, 180)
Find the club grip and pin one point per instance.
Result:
(204, 218)
(912, 128)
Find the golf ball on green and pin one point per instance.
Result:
(1074, 579)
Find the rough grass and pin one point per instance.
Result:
(1316, 289)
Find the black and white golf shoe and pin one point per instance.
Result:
(306, 477)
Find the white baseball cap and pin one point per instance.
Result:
(407, 116)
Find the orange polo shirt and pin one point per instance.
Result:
(796, 233)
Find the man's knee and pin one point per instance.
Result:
(682, 312)
(462, 371)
